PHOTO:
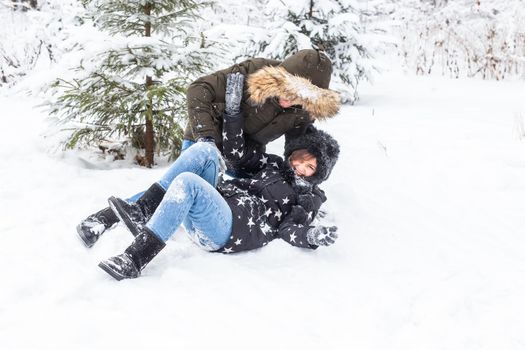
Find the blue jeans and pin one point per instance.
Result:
(191, 199)
(167, 178)
(231, 172)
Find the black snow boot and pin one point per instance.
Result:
(94, 225)
(129, 264)
(136, 215)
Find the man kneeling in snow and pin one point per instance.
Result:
(278, 98)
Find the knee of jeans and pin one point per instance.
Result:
(208, 149)
(202, 147)
(181, 187)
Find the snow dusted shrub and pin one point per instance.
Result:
(333, 26)
(30, 39)
(131, 86)
(465, 38)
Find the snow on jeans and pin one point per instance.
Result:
(191, 199)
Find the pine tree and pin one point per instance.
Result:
(333, 26)
(135, 88)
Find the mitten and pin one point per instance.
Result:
(234, 89)
(321, 235)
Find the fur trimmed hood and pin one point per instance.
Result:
(270, 82)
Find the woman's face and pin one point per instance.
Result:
(304, 167)
(285, 103)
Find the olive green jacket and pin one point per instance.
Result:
(263, 122)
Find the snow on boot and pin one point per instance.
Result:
(129, 264)
(94, 225)
(135, 215)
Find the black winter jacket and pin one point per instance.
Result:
(265, 206)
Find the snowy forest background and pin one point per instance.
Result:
(85, 42)
(428, 192)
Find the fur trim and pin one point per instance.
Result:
(276, 81)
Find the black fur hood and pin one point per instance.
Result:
(319, 143)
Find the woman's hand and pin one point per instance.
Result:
(322, 235)
(234, 90)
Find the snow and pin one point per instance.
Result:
(428, 197)
(176, 191)
(303, 87)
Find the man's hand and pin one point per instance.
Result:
(207, 139)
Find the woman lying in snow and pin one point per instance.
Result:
(279, 201)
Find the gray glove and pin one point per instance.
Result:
(234, 89)
(321, 235)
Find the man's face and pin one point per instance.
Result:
(285, 103)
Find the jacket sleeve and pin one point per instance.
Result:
(205, 96)
(294, 228)
(241, 153)
(201, 95)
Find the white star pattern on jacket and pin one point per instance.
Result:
(265, 228)
(227, 250)
(278, 214)
(293, 237)
(238, 241)
(250, 223)
(286, 200)
(264, 160)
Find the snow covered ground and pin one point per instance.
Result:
(429, 197)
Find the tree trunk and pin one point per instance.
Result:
(149, 135)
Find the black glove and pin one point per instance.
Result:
(234, 89)
(298, 214)
(321, 235)
(206, 139)
(306, 201)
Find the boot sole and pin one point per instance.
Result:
(122, 216)
(110, 271)
(83, 238)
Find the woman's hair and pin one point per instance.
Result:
(301, 155)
